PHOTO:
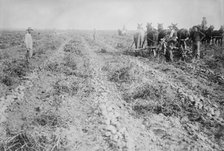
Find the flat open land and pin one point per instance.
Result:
(80, 94)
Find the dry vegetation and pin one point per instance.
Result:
(190, 92)
(64, 99)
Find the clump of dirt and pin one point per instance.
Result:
(65, 87)
(216, 63)
(72, 47)
(121, 75)
(49, 119)
(4, 55)
(68, 67)
(6, 80)
(15, 68)
(68, 48)
(34, 140)
(103, 50)
(12, 71)
(20, 141)
(39, 52)
(70, 62)
(153, 98)
(120, 45)
(52, 67)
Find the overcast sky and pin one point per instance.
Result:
(107, 14)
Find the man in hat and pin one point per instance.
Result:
(29, 43)
(204, 23)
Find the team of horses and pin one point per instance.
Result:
(161, 39)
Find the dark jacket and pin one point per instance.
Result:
(197, 36)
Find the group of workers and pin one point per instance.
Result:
(196, 39)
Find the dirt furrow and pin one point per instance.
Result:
(17, 107)
(51, 108)
(121, 130)
(88, 95)
(168, 85)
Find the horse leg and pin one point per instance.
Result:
(141, 43)
(136, 42)
(216, 41)
(154, 52)
(148, 42)
(220, 42)
(171, 55)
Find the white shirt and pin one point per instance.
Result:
(28, 41)
(171, 33)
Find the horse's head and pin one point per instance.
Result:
(204, 18)
(149, 26)
(173, 27)
(160, 26)
(222, 28)
(211, 27)
(199, 27)
(139, 26)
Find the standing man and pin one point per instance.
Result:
(29, 43)
(196, 37)
(204, 23)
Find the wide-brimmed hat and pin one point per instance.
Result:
(29, 28)
(196, 27)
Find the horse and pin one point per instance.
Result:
(183, 36)
(162, 33)
(167, 37)
(151, 37)
(207, 34)
(139, 37)
(217, 35)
